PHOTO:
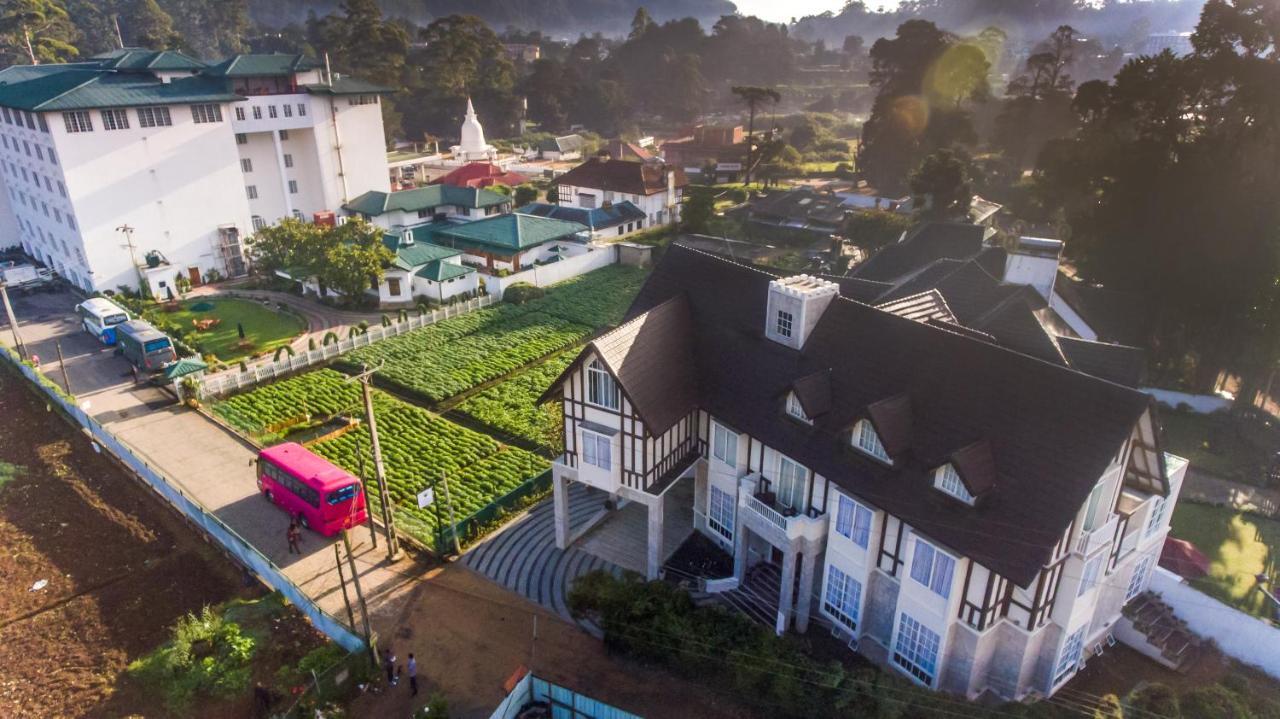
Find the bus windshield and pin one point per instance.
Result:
(342, 494)
(111, 320)
(157, 345)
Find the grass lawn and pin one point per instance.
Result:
(1232, 448)
(1239, 546)
(265, 327)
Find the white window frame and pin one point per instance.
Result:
(721, 512)
(843, 598)
(246, 164)
(258, 222)
(1139, 579)
(1069, 655)
(288, 160)
(784, 323)
(272, 112)
(867, 440)
(114, 119)
(154, 117)
(795, 409)
(932, 567)
(251, 191)
(205, 113)
(239, 113)
(592, 445)
(947, 479)
(724, 444)
(599, 383)
(1156, 518)
(854, 520)
(1089, 522)
(293, 187)
(793, 477)
(916, 649)
(78, 121)
(257, 112)
(1089, 574)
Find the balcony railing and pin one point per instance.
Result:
(1091, 540)
(770, 514)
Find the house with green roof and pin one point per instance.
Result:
(514, 242)
(430, 203)
(423, 269)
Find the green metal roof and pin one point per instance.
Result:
(440, 271)
(184, 367)
(138, 58)
(507, 233)
(375, 202)
(83, 86)
(263, 65)
(421, 252)
(348, 86)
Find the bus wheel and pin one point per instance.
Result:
(269, 496)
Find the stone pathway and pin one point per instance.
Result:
(523, 556)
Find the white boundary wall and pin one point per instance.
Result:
(545, 275)
(1239, 635)
(1199, 403)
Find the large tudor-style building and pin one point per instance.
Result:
(972, 516)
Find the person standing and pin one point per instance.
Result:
(389, 663)
(295, 534)
(413, 675)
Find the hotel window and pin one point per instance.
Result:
(39, 153)
(272, 112)
(288, 110)
(288, 160)
(297, 215)
(1072, 650)
(1157, 517)
(242, 139)
(302, 109)
(31, 120)
(783, 324)
(1089, 577)
(933, 568)
(947, 479)
(866, 439)
(5, 139)
(154, 117)
(47, 186)
(71, 221)
(258, 222)
(53, 159)
(724, 444)
(284, 135)
(853, 521)
(206, 113)
(602, 389)
(44, 126)
(795, 409)
(293, 187)
(842, 597)
(792, 484)
(720, 511)
(62, 189)
(1139, 578)
(257, 112)
(26, 147)
(916, 649)
(240, 114)
(252, 191)
(246, 164)
(78, 121)
(596, 450)
(7, 117)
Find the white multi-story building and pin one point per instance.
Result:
(192, 158)
(652, 188)
(973, 517)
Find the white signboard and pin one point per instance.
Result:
(426, 497)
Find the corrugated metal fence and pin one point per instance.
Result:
(233, 543)
(213, 385)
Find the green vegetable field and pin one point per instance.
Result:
(597, 299)
(511, 406)
(321, 394)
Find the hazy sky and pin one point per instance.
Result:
(784, 10)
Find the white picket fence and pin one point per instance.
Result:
(214, 385)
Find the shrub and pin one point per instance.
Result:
(1155, 698)
(1213, 702)
(207, 656)
(522, 292)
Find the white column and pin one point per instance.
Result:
(787, 590)
(560, 498)
(284, 180)
(740, 549)
(808, 564)
(655, 539)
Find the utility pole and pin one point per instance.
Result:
(364, 487)
(364, 608)
(342, 582)
(133, 257)
(453, 522)
(364, 378)
(13, 322)
(62, 364)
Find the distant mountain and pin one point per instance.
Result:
(557, 18)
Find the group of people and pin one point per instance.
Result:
(394, 671)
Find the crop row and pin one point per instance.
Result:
(434, 371)
(511, 406)
(320, 394)
(597, 299)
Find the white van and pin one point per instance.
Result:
(99, 317)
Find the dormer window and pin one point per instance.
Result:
(795, 409)
(866, 440)
(602, 389)
(783, 327)
(947, 479)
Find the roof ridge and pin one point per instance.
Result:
(97, 75)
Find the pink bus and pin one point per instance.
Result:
(323, 497)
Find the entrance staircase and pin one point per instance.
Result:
(757, 596)
(1162, 631)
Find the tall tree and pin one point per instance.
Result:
(641, 23)
(363, 43)
(143, 23)
(462, 58)
(941, 186)
(753, 97)
(37, 31)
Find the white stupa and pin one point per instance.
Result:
(473, 147)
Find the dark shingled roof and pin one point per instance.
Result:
(814, 393)
(1118, 363)
(892, 419)
(695, 337)
(629, 176)
(928, 243)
